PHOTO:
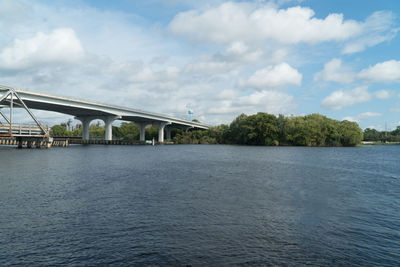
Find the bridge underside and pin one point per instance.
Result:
(69, 110)
(88, 115)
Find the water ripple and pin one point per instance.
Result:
(200, 205)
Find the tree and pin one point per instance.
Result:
(152, 132)
(237, 133)
(127, 131)
(351, 134)
(262, 129)
(373, 135)
(219, 133)
(95, 130)
(58, 130)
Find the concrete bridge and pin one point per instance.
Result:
(86, 111)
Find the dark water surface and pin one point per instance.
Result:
(200, 205)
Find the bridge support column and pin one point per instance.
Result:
(85, 126)
(108, 126)
(161, 127)
(142, 127)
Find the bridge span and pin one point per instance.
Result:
(87, 111)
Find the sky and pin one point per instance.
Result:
(217, 58)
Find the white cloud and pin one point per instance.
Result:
(237, 48)
(378, 28)
(362, 116)
(228, 94)
(273, 77)
(349, 118)
(272, 101)
(60, 46)
(239, 53)
(231, 22)
(237, 56)
(369, 114)
(371, 127)
(147, 75)
(210, 67)
(383, 94)
(388, 71)
(13, 11)
(262, 101)
(334, 71)
(340, 99)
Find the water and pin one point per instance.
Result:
(200, 205)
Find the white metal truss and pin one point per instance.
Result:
(12, 99)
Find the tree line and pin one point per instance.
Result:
(382, 136)
(261, 129)
(265, 129)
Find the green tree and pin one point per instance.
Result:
(262, 129)
(351, 134)
(374, 135)
(95, 130)
(152, 132)
(238, 132)
(128, 131)
(58, 130)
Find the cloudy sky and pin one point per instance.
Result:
(338, 58)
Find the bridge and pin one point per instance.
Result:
(87, 111)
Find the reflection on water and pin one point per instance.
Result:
(200, 205)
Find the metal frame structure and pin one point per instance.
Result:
(13, 130)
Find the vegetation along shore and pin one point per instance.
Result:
(261, 129)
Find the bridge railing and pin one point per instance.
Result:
(21, 130)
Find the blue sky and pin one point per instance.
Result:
(218, 58)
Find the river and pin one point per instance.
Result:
(200, 205)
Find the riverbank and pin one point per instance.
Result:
(378, 143)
